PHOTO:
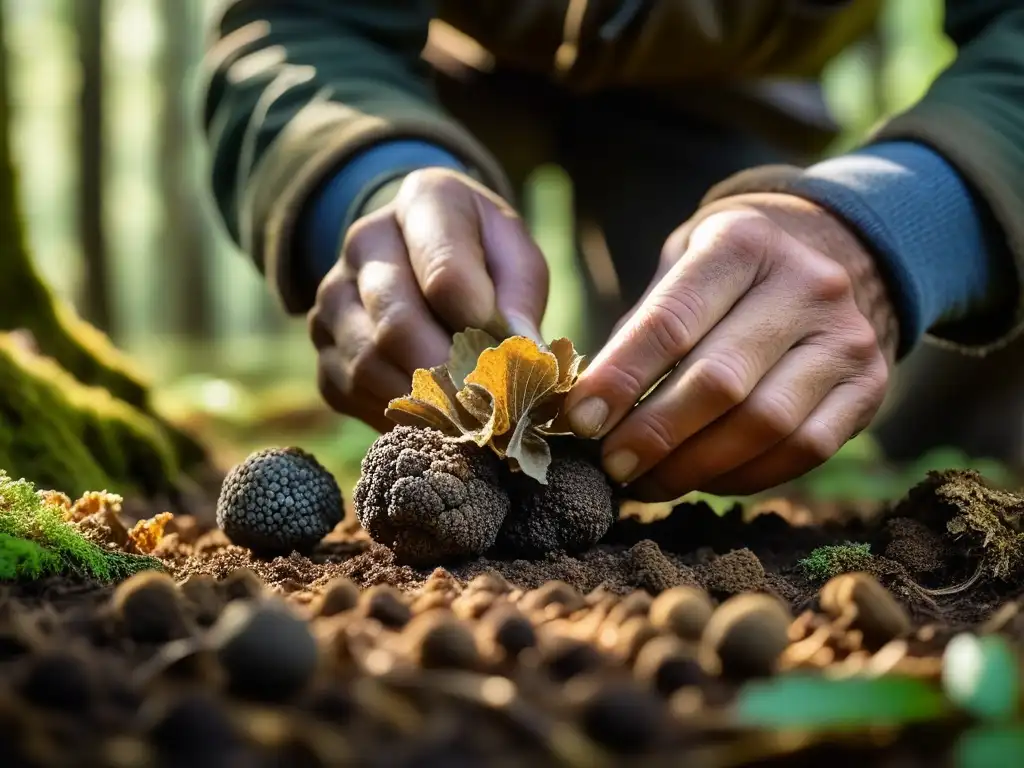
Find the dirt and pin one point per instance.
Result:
(624, 652)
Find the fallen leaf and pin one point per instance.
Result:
(467, 347)
(506, 395)
(432, 403)
(807, 701)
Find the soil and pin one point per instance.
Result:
(631, 651)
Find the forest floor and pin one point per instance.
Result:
(648, 648)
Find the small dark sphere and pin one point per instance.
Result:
(279, 500)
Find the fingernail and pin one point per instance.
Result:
(620, 465)
(588, 417)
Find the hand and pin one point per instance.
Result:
(445, 255)
(772, 329)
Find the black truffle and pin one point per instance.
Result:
(569, 514)
(279, 500)
(428, 497)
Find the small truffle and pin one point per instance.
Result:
(685, 611)
(150, 607)
(429, 498)
(268, 652)
(279, 500)
(569, 514)
(745, 636)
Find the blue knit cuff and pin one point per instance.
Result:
(339, 202)
(921, 220)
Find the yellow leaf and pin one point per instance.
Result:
(467, 347)
(517, 375)
(431, 403)
(569, 363)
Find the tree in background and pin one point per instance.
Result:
(74, 413)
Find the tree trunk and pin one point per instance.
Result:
(94, 298)
(73, 411)
(186, 247)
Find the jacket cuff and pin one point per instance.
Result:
(926, 228)
(340, 200)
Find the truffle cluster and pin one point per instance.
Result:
(431, 498)
(279, 500)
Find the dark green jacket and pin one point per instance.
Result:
(294, 87)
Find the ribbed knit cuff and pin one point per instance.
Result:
(924, 225)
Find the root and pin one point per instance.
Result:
(953, 590)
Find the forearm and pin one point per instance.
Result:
(294, 90)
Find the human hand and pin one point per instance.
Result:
(445, 255)
(774, 334)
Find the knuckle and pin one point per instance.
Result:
(658, 435)
(862, 342)
(742, 232)
(816, 442)
(361, 370)
(671, 318)
(441, 276)
(777, 415)
(721, 377)
(424, 181)
(394, 328)
(827, 281)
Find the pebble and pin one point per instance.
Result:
(150, 607)
(438, 640)
(267, 651)
(745, 636)
(339, 595)
(684, 611)
(860, 602)
(506, 628)
(552, 592)
(385, 604)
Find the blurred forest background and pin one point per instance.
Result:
(106, 136)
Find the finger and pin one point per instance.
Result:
(353, 378)
(722, 263)
(845, 411)
(334, 297)
(517, 268)
(718, 376)
(775, 408)
(440, 224)
(405, 332)
(342, 395)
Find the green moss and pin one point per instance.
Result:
(826, 562)
(59, 433)
(37, 541)
(24, 559)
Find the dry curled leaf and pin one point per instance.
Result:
(145, 535)
(505, 395)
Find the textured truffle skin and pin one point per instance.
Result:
(428, 498)
(279, 500)
(569, 514)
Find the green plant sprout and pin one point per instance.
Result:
(36, 541)
(826, 562)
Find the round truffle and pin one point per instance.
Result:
(569, 514)
(279, 500)
(430, 498)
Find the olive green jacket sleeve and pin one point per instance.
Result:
(295, 87)
(973, 115)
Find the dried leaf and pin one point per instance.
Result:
(530, 451)
(432, 403)
(569, 363)
(507, 395)
(517, 375)
(467, 347)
